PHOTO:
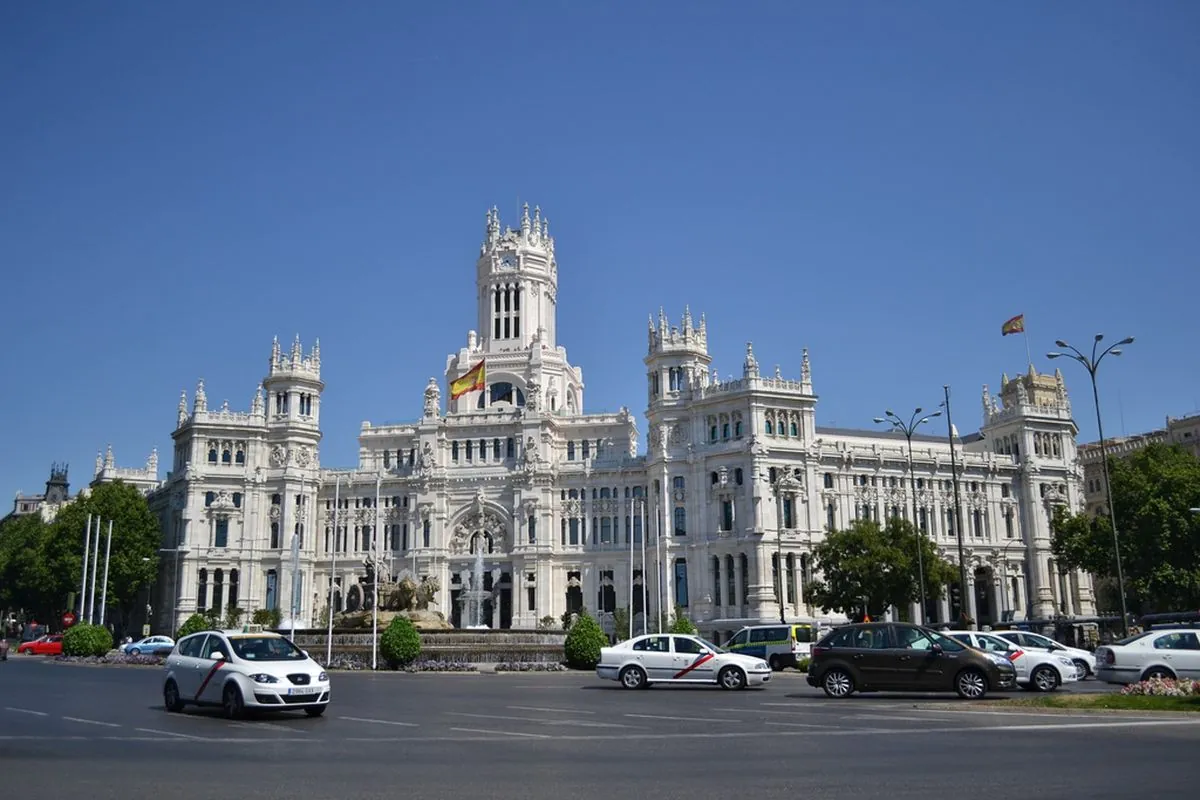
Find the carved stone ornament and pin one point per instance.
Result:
(274, 513)
(303, 456)
(278, 456)
(533, 396)
(426, 460)
(477, 521)
(433, 397)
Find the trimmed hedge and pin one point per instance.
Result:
(400, 644)
(584, 640)
(87, 640)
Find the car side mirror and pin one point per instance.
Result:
(936, 649)
(218, 656)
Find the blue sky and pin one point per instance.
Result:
(883, 183)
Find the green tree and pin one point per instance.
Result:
(133, 555)
(24, 579)
(869, 568)
(1153, 491)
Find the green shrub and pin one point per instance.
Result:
(802, 663)
(193, 624)
(87, 640)
(400, 644)
(548, 623)
(681, 624)
(233, 617)
(584, 640)
(267, 617)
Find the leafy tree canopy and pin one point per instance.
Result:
(1153, 491)
(41, 564)
(870, 567)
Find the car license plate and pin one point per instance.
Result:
(304, 690)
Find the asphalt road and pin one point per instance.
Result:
(102, 732)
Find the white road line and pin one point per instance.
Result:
(92, 722)
(682, 719)
(381, 721)
(756, 711)
(551, 710)
(26, 711)
(541, 721)
(170, 733)
(892, 716)
(503, 733)
(795, 724)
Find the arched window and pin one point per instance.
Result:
(680, 521)
(226, 457)
(233, 588)
(794, 430)
(202, 591)
(218, 590)
(737, 429)
(770, 427)
(212, 455)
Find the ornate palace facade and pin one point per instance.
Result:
(719, 515)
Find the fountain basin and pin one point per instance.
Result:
(476, 646)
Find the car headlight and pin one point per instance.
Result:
(999, 659)
(1066, 662)
(322, 677)
(263, 677)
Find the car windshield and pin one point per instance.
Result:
(948, 645)
(265, 648)
(711, 646)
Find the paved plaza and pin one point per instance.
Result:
(102, 732)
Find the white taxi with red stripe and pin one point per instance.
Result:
(1037, 670)
(244, 669)
(678, 658)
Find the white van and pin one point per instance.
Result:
(780, 645)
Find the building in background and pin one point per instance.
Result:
(735, 487)
(57, 495)
(1182, 431)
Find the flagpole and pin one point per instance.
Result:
(645, 518)
(375, 582)
(1025, 334)
(337, 512)
(95, 562)
(104, 591)
(87, 547)
(631, 567)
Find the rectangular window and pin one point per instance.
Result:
(425, 534)
(221, 535)
(726, 515)
(532, 528)
(681, 582)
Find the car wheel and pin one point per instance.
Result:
(135, 652)
(731, 678)
(231, 701)
(315, 711)
(633, 678)
(971, 684)
(1161, 673)
(1081, 670)
(171, 698)
(775, 663)
(838, 683)
(1044, 679)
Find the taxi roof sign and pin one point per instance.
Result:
(252, 628)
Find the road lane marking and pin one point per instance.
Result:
(26, 711)
(503, 733)
(92, 722)
(681, 719)
(795, 724)
(579, 723)
(892, 716)
(170, 733)
(551, 710)
(381, 721)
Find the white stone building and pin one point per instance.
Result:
(737, 481)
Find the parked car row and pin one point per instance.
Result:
(865, 657)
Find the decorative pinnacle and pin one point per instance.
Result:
(805, 368)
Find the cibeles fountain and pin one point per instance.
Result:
(473, 595)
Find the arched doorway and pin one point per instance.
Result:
(985, 611)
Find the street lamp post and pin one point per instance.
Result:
(908, 429)
(1091, 365)
(962, 558)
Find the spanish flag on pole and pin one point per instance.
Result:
(1014, 325)
(474, 380)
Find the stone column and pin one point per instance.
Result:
(972, 610)
(944, 609)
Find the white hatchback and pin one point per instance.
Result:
(676, 658)
(244, 669)
(1036, 669)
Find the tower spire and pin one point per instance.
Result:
(805, 372)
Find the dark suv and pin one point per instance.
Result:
(900, 657)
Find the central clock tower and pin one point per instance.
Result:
(517, 280)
